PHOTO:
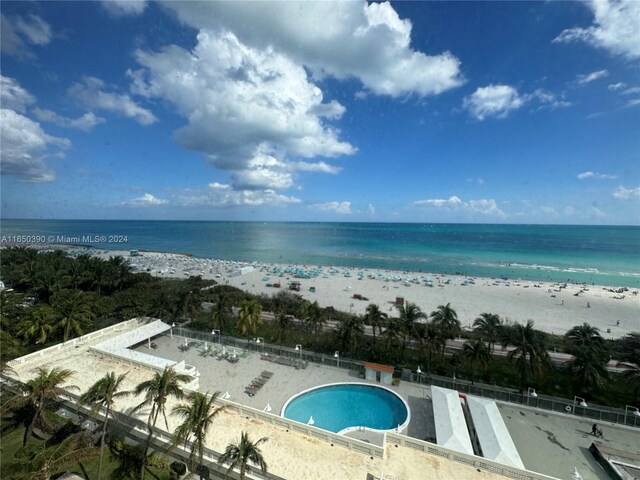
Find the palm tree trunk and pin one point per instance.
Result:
(29, 429)
(104, 434)
(150, 424)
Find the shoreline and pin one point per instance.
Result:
(555, 307)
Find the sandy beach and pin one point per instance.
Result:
(554, 307)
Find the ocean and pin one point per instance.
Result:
(605, 255)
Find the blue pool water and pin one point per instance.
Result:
(340, 406)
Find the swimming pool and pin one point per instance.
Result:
(340, 407)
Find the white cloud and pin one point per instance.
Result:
(248, 111)
(86, 122)
(596, 175)
(478, 180)
(25, 148)
(342, 208)
(623, 193)
(145, 200)
(616, 28)
(341, 39)
(322, 167)
(90, 93)
(18, 31)
(493, 101)
(120, 8)
(224, 195)
(631, 91)
(13, 96)
(590, 77)
(482, 206)
(371, 209)
(617, 86)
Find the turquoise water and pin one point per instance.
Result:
(606, 255)
(337, 407)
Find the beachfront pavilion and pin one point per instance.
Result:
(301, 451)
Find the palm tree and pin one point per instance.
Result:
(221, 312)
(312, 314)
(590, 369)
(282, 323)
(46, 386)
(630, 359)
(446, 321)
(104, 393)
(585, 335)
(37, 325)
(238, 455)
(430, 341)
(476, 352)
(530, 350)
(350, 332)
(392, 332)
(489, 325)
(250, 316)
(410, 313)
(197, 415)
(376, 319)
(157, 391)
(73, 312)
(48, 461)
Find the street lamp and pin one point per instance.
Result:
(531, 392)
(173, 325)
(636, 413)
(583, 404)
(259, 340)
(217, 332)
(419, 372)
(299, 349)
(337, 357)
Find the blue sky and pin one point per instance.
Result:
(411, 112)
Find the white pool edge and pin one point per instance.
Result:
(397, 429)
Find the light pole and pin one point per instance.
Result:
(171, 330)
(337, 357)
(636, 413)
(419, 372)
(531, 392)
(259, 340)
(299, 349)
(583, 404)
(217, 332)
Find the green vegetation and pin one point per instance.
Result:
(242, 454)
(56, 297)
(197, 415)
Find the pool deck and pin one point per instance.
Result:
(223, 376)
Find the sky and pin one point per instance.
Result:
(479, 112)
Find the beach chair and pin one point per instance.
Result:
(266, 374)
(250, 391)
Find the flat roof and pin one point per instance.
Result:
(451, 426)
(379, 367)
(494, 438)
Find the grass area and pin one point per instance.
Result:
(12, 455)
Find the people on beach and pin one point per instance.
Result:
(594, 429)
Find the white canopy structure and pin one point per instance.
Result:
(494, 438)
(119, 346)
(451, 426)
